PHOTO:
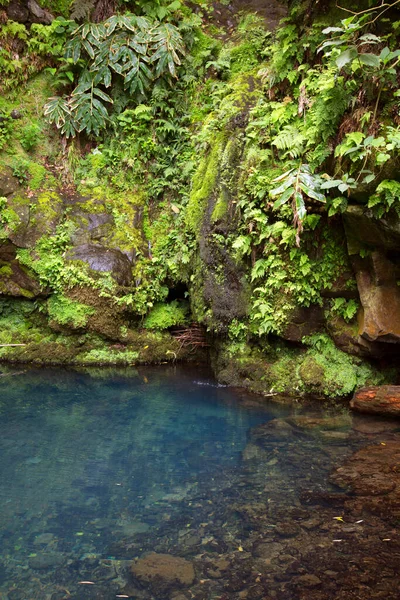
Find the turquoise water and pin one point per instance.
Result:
(91, 461)
(100, 467)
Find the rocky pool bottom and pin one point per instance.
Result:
(156, 483)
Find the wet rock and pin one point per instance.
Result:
(46, 561)
(382, 400)
(374, 425)
(8, 183)
(287, 529)
(267, 550)
(303, 321)
(43, 538)
(104, 260)
(307, 581)
(372, 471)
(163, 571)
(342, 421)
(274, 430)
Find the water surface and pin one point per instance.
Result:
(99, 467)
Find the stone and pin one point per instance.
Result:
(372, 471)
(363, 229)
(46, 561)
(38, 14)
(163, 571)
(307, 581)
(17, 11)
(380, 400)
(267, 550)
(102, 259)
(368, 426)
(347, 338)
(133, 528)
(287, 529)
(274, 430)
(8, 183)
(380, 299)
(303, 321)
(43, 538)
(341, 421)
(14, 278)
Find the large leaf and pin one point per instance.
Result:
(371, 60)
(300, 206)
(284, 198)
(346, 57)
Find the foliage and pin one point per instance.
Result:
(385, 198)
(295, 186)
(9, 220)
(347, 309)
(134, 49)
(164, 316)
(25, 52)
(68, 312)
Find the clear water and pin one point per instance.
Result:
(99, 467)
(83, 456)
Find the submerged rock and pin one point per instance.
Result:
(381, 400)
(163, 571)
(46, 560)
(372, 471)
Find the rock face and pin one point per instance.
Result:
(377, 273)
(380, 400)
(380, 298)
(162, 572)
(28, 12)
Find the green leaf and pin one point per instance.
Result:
(312, 193)
(371, 60)
(284, 198)
(346, 57)
(102, 95)
(300, 206)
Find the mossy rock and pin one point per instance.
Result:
(312, 374)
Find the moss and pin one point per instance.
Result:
(164, 316)
(321, 370)
(6, 271)
(37, 174)
(68, 312)
(204, 182)
(108, 356)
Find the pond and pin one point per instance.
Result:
(101, 468)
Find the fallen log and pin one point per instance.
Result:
(377, 400)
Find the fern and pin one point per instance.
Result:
(82, 9)
(291, 141)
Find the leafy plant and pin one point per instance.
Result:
(164, 316)
(345, 308)
(385, 198)
(296, 185)
(134, 49)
